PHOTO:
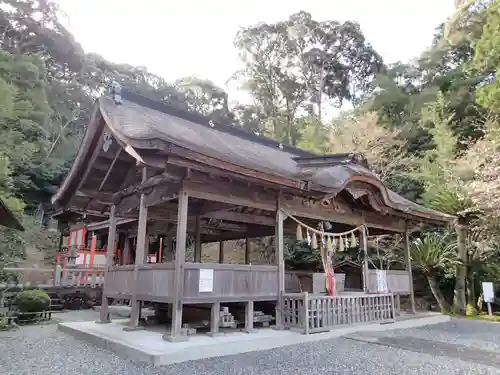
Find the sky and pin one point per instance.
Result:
(195, 37)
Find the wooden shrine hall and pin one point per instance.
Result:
(183, 174)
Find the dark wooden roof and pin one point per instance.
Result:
(7, 217)
(146, 126)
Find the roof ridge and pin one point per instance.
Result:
(197, 118)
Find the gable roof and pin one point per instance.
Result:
(148, 125)
(7, 217)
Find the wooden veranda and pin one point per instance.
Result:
(181, 174)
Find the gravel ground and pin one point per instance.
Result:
(473, 334)
(44, 350)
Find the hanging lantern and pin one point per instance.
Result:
(353, 240)
(299, 233)
(308, 237)
(314, 243)
(341, 244)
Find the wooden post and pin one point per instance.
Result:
(221, 252)
(247, 250)
(159, 258)
(280, 218)
(146, 248)
(363, 243)
(139, 258)
(409, 268)
(215, 320)
(104, 312)
(170, 248)
(126, 250)
(180, 254)
(249, 317)
(197, 241)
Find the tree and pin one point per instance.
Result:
(293, 65)
(204, 97)
(432, 255)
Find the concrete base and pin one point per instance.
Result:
(169, 338)
(215, 334)
(150, 347)
(133, 329)
(102, 322)
(245, 330)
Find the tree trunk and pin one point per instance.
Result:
(471, 290)
(459, 301)
(436, 292)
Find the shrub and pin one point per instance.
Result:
(30, 302)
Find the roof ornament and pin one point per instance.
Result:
(108, 139)
(280, 146)
(116, 90)
(211, 124)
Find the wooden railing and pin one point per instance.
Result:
(231, 282)
(318, 313)
(65, 277)
(398, 282)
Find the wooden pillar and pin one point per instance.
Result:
(180, 254)
(215, 320)
(170, 248)
(363, 243)
(104, 313)
(197, 241)
(146, 248)
(93, 245)
(221, 252)
(126, 250)
(280, 259)
(409, 269)
(247, 251)
(159, 256)
(139, 258)
(249, 317)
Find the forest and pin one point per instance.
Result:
(428, 127)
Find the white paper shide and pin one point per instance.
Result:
(206, 283)
(382, 281)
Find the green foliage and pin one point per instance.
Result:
(434, 253)
(30, 302)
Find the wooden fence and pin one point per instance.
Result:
(65, 277)
(309, 313)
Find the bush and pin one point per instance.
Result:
(31, 302)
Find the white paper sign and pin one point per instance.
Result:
(382, 281)
(206, 283)
(488, 292)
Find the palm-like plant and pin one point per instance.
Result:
(432, 254)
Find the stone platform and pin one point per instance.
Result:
(148, 345)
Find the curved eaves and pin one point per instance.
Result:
(93, 131)
(343, 175)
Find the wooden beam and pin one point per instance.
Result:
(234, 194)
(210, 207)
(100, 197)
(110, 168)
(148, 184)
(228, 236)
(298, 206)
(163, 193)
(242, 218)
